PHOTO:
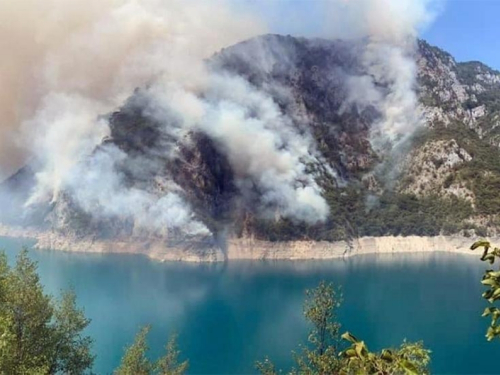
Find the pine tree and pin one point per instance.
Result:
(37, 335)
(169, 364)
(135, 361)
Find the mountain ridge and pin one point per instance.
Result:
(443, 183)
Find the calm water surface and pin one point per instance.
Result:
(228, 316)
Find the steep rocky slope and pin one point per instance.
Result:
(445, 181)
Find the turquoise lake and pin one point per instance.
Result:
(229, 315)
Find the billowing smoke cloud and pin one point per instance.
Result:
(70, 62)
(263, 146)
(99, 190)
(390, 21)
(74, 62)
(100, 50)
(390, 29)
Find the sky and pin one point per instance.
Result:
(468, 29)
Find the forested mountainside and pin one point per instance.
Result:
(444, 179)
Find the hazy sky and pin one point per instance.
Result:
(468, 29)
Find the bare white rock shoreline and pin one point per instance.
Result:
(249, 248)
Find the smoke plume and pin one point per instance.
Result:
(263, 146)
(70, 63)
(390, 29)
(74, 62)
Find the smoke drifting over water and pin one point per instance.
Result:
(73, 62)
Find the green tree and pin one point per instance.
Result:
(29, 314)
(169, 364)
(6, 336)
(266, 367)
(320, 309)
(71, 350)
(322, 355)
(136, 362)
(491, 279)
(38, 336)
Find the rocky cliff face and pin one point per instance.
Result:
(444, 181)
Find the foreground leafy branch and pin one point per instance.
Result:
(491, 279)
(409, 358)
(321, 356)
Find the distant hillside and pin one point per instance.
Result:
(446, 180)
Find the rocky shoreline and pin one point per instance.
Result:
(248, 248)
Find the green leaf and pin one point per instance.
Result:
(360, 348)
(488, 311)
(493, 274)
(491, 333)
(348, 337)
(349, 353)
(488, 257)
(387, 355)
(490, 282)
(480, 243)
(409, 367)
(487, 294)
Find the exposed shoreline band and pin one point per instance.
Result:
(249, 248)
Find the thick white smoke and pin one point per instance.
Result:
(99, 190)
(63, 129)
(72, 62)
(390, 29)
(99, 50)
(76, 61)
(262, 145)
(264, 148)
